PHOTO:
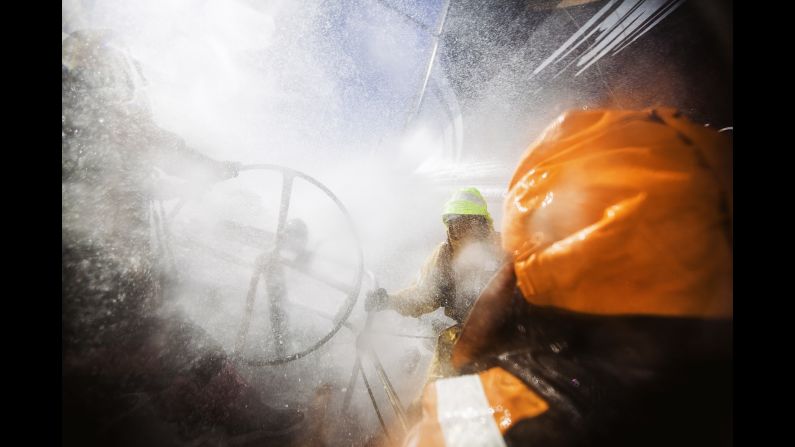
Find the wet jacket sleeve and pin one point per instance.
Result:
(172, 155)
(426, 294)
(475, 409)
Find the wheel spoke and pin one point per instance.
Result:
(245, 234)
(276, 290)
(319, 313)
(342, 287)
(252, 293)
(351, 383)
(284, 207)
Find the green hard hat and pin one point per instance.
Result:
(466, 201)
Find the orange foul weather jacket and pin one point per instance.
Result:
(612, 324)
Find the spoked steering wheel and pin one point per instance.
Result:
(269, 268)
(270, 265)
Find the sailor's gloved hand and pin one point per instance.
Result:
(376, 300)
(228, 169)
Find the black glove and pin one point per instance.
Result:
(376, 300)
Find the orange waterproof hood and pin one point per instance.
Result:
(624, 212)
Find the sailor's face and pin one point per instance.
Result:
(463, 229)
